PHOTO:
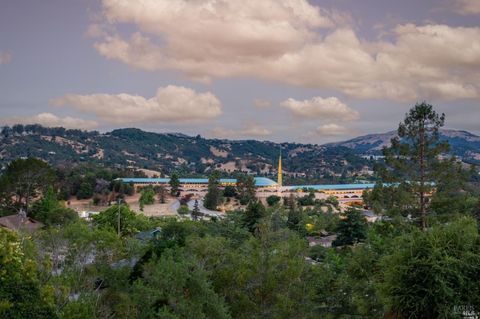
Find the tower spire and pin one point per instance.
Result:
(280, 173)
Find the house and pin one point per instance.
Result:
(20, 222)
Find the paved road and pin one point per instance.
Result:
(203, 210)
(175, 206)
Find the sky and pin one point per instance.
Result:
(283, 70)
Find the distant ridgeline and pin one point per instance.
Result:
(464, 145)
(191, 156)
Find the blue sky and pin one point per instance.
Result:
(282, 70)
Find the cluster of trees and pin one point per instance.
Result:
(250, 265)
(244, 191)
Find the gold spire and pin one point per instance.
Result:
(280, 178)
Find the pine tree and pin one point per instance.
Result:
(196, 211)
(413, 155)
(214, 194)
(174, 184)
(253, 214)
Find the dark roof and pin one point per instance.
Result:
(18, 222)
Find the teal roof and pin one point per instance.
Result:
(332, 186)
(259, 181)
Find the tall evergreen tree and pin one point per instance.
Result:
(214, 194)
(351, 229)
(246, 188)
(161, 194)
(174, 184)
(196, 211)
(413, 156)
(253, 214)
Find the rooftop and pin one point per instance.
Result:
(18, 222)
(259, 181)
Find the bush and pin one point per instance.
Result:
(183, 210)
(272, 200)
(432, 273)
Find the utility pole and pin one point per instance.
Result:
(119, 200)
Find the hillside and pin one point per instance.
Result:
(167, 152)
(197, 155)
(463, 144)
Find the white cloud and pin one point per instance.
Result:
(294, 42)
(329, 130)
(5, 57)
(249, 130)
(171, 104)
(261, 103)
(467, 7)
(51, 120)
(255, 130)
(320, 108)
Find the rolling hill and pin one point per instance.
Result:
(463, 144)
(191, 155)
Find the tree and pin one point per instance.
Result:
(50, 212)
(130, 223)
(229, 191)
(183, 210)
(273, 199)
(351, 229)
(161, 194)
(434, 273)
(214, 194)
(196, 211)
(25, 179)
(21, 294)
(176, 286)
(413, 155)
(85, 191)
(253, 215)
(147, 196)
(246, 189)
(174, 184)
(294, 219)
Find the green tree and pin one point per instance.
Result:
(246, 188)
(85, 191)
(254, 213)
(161, 194)
(50, 212)
(266, 277)
(214, 194)
(175, 286)
(273, 200)
(130, 222)
(183, 210)
(196, 214)
(413, 155)
(25, 179)
(229, 191)
(21, 294)
(147, 196)
(432, 274)
(351, 229)
(174, 184)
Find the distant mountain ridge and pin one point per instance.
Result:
(165, 152)
(463, 144)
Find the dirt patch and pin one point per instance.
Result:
(218, 152)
